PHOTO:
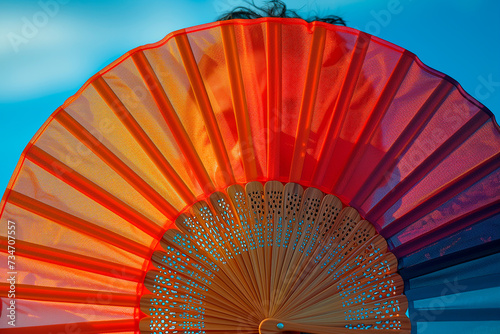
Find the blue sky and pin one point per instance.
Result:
(49, 48)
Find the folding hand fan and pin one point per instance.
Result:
(257, 176)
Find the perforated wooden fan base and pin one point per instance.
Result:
(272, 259)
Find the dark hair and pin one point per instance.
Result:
(274, 8)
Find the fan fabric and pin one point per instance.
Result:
(208, 107)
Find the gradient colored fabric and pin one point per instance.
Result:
(254, 100)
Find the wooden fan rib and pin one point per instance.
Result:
(329, 210)
(365, 316)
(270, 326)
(330, 225)
(379, 314)
(143, 139)
(273, 208)
(198, 234)
(386, 264)
(254, 193)
(212, 293)
(93, 191)
(381, 324)
(350, 263)
(77, 224)
(203, 231)
(246, 144)
(325, 284)
(152, 325)
(216, 297)
(239, 248)
(389, 285)
(309, 209)
(172, 120)
(299, 279)
(100, 150)
(204, 105)
(353, 262)
(274, 87)
(179, 311)
(266, 215)
(292, 199)
(232, 279)
(308, 102)
(89, 327)
(426, 166)
(350, 243)
(73, 260)
(442, 195)
(208, 306)
(405, 139)
(379, 288)
(209, 317)
(392, 323)
(239, 285)
(315, 281)
(215, 233)
(174, 264)
(228, 223)
(308, 267)
(306, 283)
(176, 279)
(239, 200)
(310, 220)
(340, 109)
(77, 296)
(175, 242)
(343, 227)
(274, 213)
(172, 297)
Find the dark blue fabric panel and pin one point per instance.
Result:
(457, 327)
(459, 315)
(451, 286)
(474, 242)
(465, 292)
(485, 266)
